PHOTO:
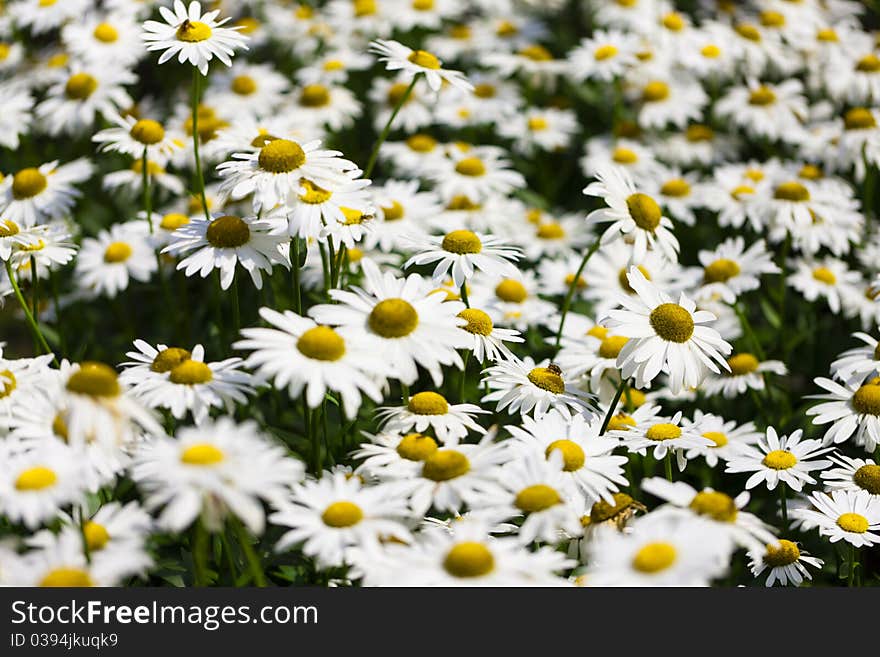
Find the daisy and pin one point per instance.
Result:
(134, 136)
(786, 459)
(604, 56)
(406, 324)
(829, 278)
(665, 436)
(36, 484)
(227, 240)
(336, 513)
(488, 339)
(603, 153)
(475, 174)
(856, 365)
(115, 526)
(852, 410)
(418, 62)
(17, 114)
(845, 515)
(785, 561)
(450, 423)
(42, 16)
(728, 439)
(193, 36)
(589, 469)
(744, 372)
(730, 269)
(211, 471)
(465, 554)
(180, 380)
(273, 173)
(255, 89)
(515, 302)
(108, 262)
(59, 561)
(772, 111)
(394, 456)
(635, 217)
(546, 129)
(523, 386)
(402, 211)
(129, 182)
(853, 474)
(664, 335)
(103, 38)
(676, 100)
(660, 550)
(306, 357)
(463, 251)
(37, 194)
(717, 507)
(20, 380)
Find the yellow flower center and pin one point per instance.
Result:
(202, 454)
(8, 228)
(428, 403)
(581, 281)
(167, 359)
(190, 373)
(321, 343)
(748, 31)
(416, 447)
(824, 275)
(780, 459)
(721, 271)
(478, 322)
(827, 35)
(605, 52)
(673, 21)
(365, 7)
(193, 31)
(548, 378)
(536, 53)
(393, 318)
(58, 60)
(228, 232)
(8, 383)
(624, 156)
(783, 553)
(173, 221)
(624, 280)
(866, 400)
(716, 505)
(243, 85)
(423, 5)
(717, 437)
(654, 557)
(644, 211)
(421, 143)
(868, 64)
(762, 96)
(853, 522)
(621, 421)
(27, 183)
(281, 156)
(393, 212)
(313, 195)
(333, 65)
(471, 166)
(314, 95)
(573, 456)
(66, 577)
(462, 32)
(96, 535)
(655, 91)
(462, 242)
(710, 51)
(94, 379)
(511, 290)
(742, 190)
(741, 364)
(248, 25)
(469, 559)
(772, 19)
(117, 252)
(342, 514)
(424, 59)
(147, 131)
(677, 188)
(537, 123)
(663, 431)
(153, 168)
(859, 118)
(550, 231)
(395, 95)
(672, 322)
(506, 29)
(80, 86)
(867, 477)
(810, 172)
(36, 478)
(537, 498)
(5, 49)
(699, 132)
(105, 33)
(445, 464)
(611, 346)
(792, 191)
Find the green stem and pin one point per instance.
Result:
(310, 432)
(27, 313)
(326, 267)
(227, 550)
(404, 393)
(341, 258)
(200, 178)
(614, 402)
(253, 561)
(668, 463)
(331, 261)
(35, 289)
(387, 129)
(81, 521)
(200, 553)
(571, 289)
(464, 296)
(748, 330)
(294, 278)
(148, 201)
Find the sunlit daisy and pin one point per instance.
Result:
(786, 562)
(449, 422)
(785, 459)
(850, 516)
(418, 62)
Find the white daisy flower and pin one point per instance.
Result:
(845, 515)
(102, 38)
(488, 339)
(728, 439)
(526, 387)
(20, 380)
(393, 456)
(226, 241)
(772, 111)
(514, 302)
(132, 136)
(305, 357)
(786, 459)
(730, 269)
(856, 365)
(852, 410)
(463, 251)
(829, 278)
(336, 513)
(211, 471)
(785, 561)
(665, 336)
(415, 62)
(107, 263)
(853, 474)
(17, 103)
(193, 36)
(663, 435)
(635, 217)
(37, 194)
(671, 100)
(59, 560)
(744, 372)
(605, 56)
(318, 105)
(449, 422)
(42, 15)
